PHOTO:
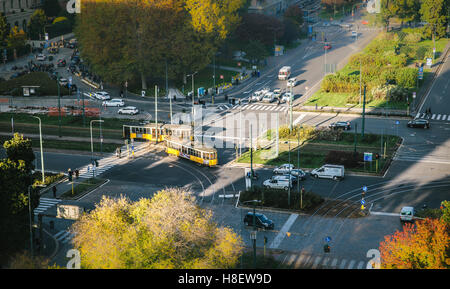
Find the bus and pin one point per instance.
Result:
(182, 148)
(149, 131)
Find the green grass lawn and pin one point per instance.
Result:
(82, 186)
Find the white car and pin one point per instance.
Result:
(41, 57)
(354, 33)
(286, 177)
(114, 102)
(277, 93)
(283, 169)
(335, 172)
(128, 110)
(269, 97)
(257, 95)
(286, 97)
(102, 95)
(292, 82)
(63, 81)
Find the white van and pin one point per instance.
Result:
(335, 172)
(407, 214)
(284, 184)
(284, 73)
(257, 95)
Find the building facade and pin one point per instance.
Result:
(18, 12)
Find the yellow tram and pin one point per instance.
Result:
(183, 148)
(149, 131)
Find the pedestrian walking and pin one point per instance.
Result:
(54, 191)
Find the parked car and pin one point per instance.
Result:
(261, 221)
(345, 125)
(285, 177)
(292, 82)
(102, 95)
(420, 122)
(298, 173)
(282, 183)
(117, 102)
(335, 172)
(41, 57)
(268, 97)
(354, 33)
(327, 46)
(407, 214)
(128, 110)
(283, 169)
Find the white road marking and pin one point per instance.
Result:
(282, 234)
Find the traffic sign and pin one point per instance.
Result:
(429, 61)
(365, 188)
(327, 239)
(397, 122)
(363, 202)
(367, 157)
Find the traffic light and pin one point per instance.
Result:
(377, 156)
(70, 176)
(96, 163)
(326, 248)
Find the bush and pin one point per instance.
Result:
(346, 158)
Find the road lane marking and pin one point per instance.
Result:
(438, 117)
(282, 234)
(433, 116)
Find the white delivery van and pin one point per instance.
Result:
(284, 73)
(277, 184)
(335, 172)
(407, 214)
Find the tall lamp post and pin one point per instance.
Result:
(59, 103)
(254, 229)
(42, 152)
(92, 143)
(192, 112)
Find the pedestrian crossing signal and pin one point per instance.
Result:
(326, 248)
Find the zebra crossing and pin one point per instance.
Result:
(64, 236)
(88, 171)
(45, 204)
(250, 106)
(308, 261)
(434, 116)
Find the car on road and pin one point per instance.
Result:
(354, 33)
(268, 97)
(407, 214)
(345, 125)
(277, 93)
(61, 63)
(327, 46)
(420, 122)
(285, 177)
(281, 183)
(115, 102)
(261, 221)
(298, 173)
(131, 110)
(63, 81)
(335, 172)
(41, 57)
(286, 97)
(102, 95)
(292, 82)
(257, 95)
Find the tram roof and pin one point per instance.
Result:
(187, 143)
(161, 125)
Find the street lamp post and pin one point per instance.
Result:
(92, 143)
(192, 112)
(59, 103)
(29, 213)
(42, 152)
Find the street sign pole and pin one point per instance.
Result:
(363, 112)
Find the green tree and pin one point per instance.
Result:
(37, 24)
(255, 51)
(434, 12)
(19, 148)
(167, 231)
(134, 39)
(17, 38)
(294, 13)
(3, 29)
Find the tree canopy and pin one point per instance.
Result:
(122, 39)
(167, 231)
(425, 245)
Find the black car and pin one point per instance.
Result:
(345, 125)
(261, 221)
(61, 63)
(423, 123)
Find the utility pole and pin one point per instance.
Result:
(42, 151)
(363, 112)
(59, 103)
(156, 113)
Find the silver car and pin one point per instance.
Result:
(131, 110)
